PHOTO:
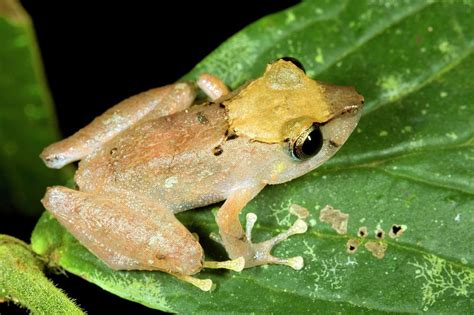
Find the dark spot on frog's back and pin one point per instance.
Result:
(217, 150)
(202, 119)
(230, 135)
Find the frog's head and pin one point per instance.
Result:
(308, 121)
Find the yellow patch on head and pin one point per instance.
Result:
(279, 105)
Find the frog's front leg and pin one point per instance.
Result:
(151, 104)
(239, 244)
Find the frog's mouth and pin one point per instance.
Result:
(342, 100)
(337, 130)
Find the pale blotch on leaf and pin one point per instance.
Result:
(397, 230)
(335, 217)
(391, 86)
(352, 245)
(319, 58)
(376, 248)
(445, 47)
(290, 17)
(299, 211)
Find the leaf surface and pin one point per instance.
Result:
(27, 121)
(410, 162)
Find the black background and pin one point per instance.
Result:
(95, 56)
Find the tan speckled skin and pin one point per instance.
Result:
(135, 176)
(156, 102)
(171, 161)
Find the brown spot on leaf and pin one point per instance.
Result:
(362, 232)
(299, 211)
(352, 245)
(376, 248)
(335, 217)
(379, 233)
(13, 12)
(397, 230)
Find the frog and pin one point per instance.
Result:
(165, 151)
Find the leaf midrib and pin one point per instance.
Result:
(375, 163)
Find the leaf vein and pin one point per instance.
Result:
(419, 83)
(365, 38)
(422, 181)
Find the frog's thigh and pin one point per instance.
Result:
(126, 231)
(154, 103)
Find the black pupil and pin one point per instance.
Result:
(313, 143)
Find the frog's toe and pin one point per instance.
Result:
(203, 284)
(262, 250)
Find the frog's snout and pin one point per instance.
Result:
(343, 99)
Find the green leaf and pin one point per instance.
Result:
(27, 122)
(410, 162)
(23, 282)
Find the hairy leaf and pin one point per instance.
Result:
(410, 163)
(22, 281)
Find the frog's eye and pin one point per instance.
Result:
(308, 144)
(294, 61)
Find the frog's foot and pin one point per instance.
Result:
(237, 264)
(261, 251)
(203, 284)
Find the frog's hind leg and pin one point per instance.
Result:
(212, 86)
(154, 103)
(206, 284)
(126, 231)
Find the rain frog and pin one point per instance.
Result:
(160, 153)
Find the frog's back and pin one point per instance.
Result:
(176, 160)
